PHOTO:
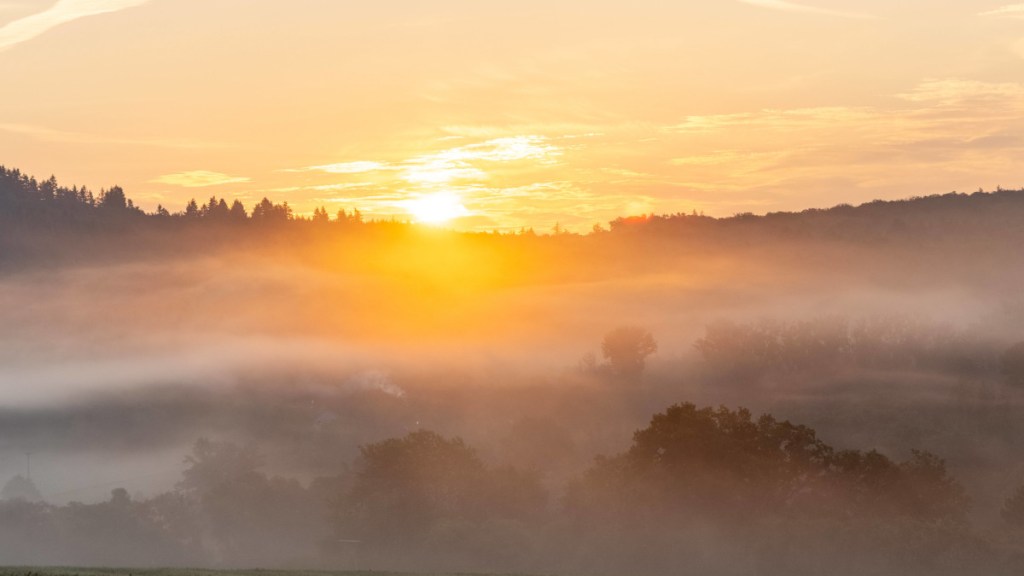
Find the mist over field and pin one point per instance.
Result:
(377, 395)
(573, 288)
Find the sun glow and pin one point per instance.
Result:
(436, 209)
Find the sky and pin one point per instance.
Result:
(516, 114)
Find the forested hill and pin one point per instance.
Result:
(980, 213)
(31, 205)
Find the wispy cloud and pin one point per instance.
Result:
(793, 118)
(1008, 11)
(462, 163)
(357, 167)
(198, 179)
(957, 91)
(803, 9)
(943, 134)
(29, 27)
(487, 164)
(459, 163)
(340, 187)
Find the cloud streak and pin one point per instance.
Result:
(947, 134)
(461, 163)
(356, 167)
(198, 179)
(802, 9)
(64, 11)
(1008, 11)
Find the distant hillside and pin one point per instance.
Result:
(937, 217)
(967, 236)
(26, 202)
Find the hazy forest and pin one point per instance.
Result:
(834, 391)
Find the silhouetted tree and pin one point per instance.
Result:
(113, 199)
(212, 464)
(269, 213)
(237, 212)
(927, 492)
(86, 197)
(412, 490)
(701, 460)
(215, 209)
(252, 517)
(827, 345)
(320, 215)
(403, 485)
(21, 488)
(48, 189)
(192, 210)
(263, 210)
(627, 348)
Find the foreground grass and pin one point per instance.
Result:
(74, 571)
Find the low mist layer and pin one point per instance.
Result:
(347, 394)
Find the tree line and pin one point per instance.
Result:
(26, 200)
(699, 490)
(23, 199)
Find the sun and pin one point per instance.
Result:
(435, 209)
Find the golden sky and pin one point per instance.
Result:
(522, 113)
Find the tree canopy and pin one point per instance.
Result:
(725, 463)
(626, 348)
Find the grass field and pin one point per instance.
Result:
(74, 571)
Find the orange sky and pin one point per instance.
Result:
(528, 113)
